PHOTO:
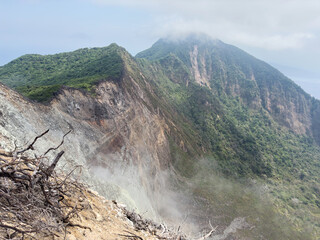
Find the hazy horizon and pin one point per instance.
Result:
(284, 34)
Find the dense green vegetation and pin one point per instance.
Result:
(39, 77)
(241, 132)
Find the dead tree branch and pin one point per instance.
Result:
(34, 141)
(50, 169)
(33, 198)
(131, 236)
(209, 233)
(62, 141)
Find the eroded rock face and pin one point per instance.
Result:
(111, 130)
(199, 70)
(287, 103)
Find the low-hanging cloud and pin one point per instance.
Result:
(267, 24)
(283, 32)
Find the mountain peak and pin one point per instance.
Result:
(191, 38)
(179, 44)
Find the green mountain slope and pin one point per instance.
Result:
(231, 113)
(232, 120)
(252, 120)
(230, 72)
(39, 77)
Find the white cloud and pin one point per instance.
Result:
(275, 42)
(269, 24)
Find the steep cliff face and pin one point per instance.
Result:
(227, 70)
(315, 114)
(111, 129)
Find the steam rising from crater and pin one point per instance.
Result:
(235, 208)
(152, 196)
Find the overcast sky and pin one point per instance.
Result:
(284, 33)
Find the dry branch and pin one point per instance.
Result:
(62, 141)
(209, 233)
(34, 141)
(158, 230)
(33, 199)
(131, 236)
(50, 169)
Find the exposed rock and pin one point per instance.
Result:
(109, 129)
(199, 70)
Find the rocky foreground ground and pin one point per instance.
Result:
(36, 202)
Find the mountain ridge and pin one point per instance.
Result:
(250, 69)
(166, 114)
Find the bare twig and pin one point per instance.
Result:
(65, 179)
(33, 199)
(209, 233)
(132, 235)
(62, 141)
(15, 229)
(50, 169)
(78, 225)
(34, 141)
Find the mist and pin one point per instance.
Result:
(154, 196)
(241, 207)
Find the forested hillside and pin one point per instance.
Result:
(239, 131)
(39, 77)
